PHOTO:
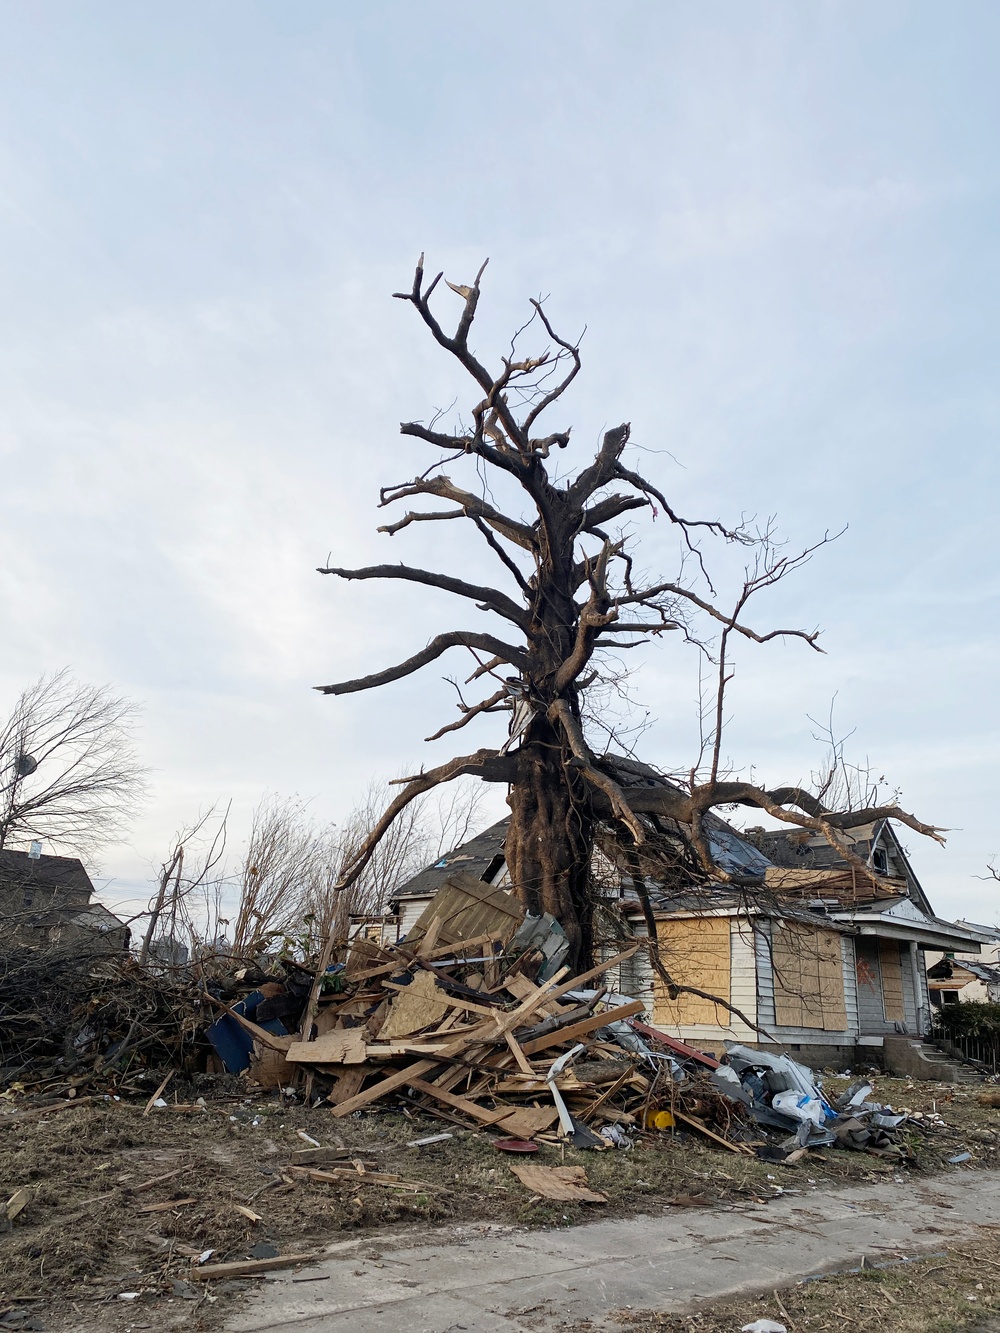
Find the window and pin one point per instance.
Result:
(880, 862)
(949, 997)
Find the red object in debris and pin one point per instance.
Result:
(515, 1145)
(678, 1047)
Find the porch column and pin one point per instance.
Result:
(922, 1016)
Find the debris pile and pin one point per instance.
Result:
(782, 1098)
(473, 1019)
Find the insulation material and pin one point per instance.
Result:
(808, 977)
(695, 953)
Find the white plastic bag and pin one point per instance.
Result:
(800, 1106)
(764, 1326)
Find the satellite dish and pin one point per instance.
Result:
(26, 765)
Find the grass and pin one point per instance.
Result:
(82, 1238)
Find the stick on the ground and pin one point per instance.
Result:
(158, 1093)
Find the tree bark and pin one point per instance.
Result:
(549, 842)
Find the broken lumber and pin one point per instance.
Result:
(247, 1267)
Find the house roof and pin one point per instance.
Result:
(61, 875)
(475, 857)
(947, 968)
(799, 849)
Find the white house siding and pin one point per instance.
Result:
(410, 912)
(909, 999)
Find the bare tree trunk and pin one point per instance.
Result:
(549, 843)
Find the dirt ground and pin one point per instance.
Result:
(83, 1241)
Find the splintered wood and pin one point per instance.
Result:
(457, 1021)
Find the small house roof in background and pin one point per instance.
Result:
(63, 874)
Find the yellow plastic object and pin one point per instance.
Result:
(659, 1120)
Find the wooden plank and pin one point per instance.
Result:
(348, 1085)
(472, 1109)
(519, 1055)
(452, 1001)
(167, 1206)
(672, 1044)
(158, 1092)
(246, 1267)
(582, 1028)
(443, 951)
(740, 1148)
(483, 1031)
(577, 983)
(343, 1046)
(339, 1174)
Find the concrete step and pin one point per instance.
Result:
(926, 1060)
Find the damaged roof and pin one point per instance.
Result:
(481, 857)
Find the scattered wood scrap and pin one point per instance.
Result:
(247, 1267)
(565, 1184)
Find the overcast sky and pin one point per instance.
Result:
(778, 222)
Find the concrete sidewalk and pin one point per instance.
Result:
(487, 1279)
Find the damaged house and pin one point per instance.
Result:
(48, 902)
(802, 950)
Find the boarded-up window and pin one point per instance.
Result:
(808, 978)
(892, 981)
(695, 953)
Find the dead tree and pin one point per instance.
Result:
(68, 770)
(574, 595)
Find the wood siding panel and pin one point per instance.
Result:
(695, 953)
(467, 907)
(808, 978)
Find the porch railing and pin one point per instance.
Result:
(983, 1051)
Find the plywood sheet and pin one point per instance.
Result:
(344, 1046)
(698, 953)
(808, 977)
(566, 1184)
(892, 981)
